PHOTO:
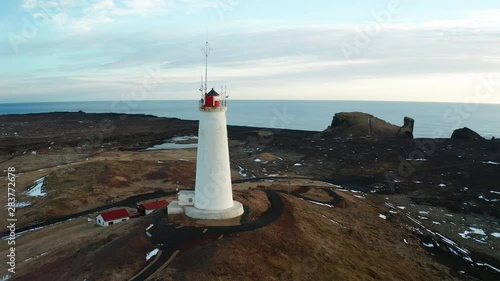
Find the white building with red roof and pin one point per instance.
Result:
(148, 207)
(112, 217)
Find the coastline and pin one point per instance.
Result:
(431, 177)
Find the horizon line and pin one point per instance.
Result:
(301, 100)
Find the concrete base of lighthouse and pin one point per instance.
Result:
(229, 213)
(185, 205)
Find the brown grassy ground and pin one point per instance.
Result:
(79, 250)
(103, 179)
(311, 242)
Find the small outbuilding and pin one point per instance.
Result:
(186, 197)
(112, 217)
(148, 207)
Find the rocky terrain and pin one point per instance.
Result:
(359, 124)
(386, 179)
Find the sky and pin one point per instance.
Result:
(386, 50)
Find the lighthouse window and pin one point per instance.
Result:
(190, 200)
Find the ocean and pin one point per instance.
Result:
(431, 119)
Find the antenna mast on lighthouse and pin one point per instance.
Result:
(201, 85)
(206, 51)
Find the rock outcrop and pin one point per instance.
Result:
(363, 125)
(466, 134)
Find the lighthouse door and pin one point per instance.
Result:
(216, 101)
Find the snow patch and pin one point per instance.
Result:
(488, 200)
(297, 164)
(494, 192)
(491, 163)
(472, 230)
(36, 256)
(242, 172)
(20, 205)
(257, 160)
(495, 234)
(321, 204)
(488, 265)
(428, 245)
(442, 185)
(401, 207)
(173, 143)
(453, 251)
(183, 138)
(37, 189)
(152, 254)
(382, 216)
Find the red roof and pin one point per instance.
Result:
(154, 204)
(115, 214)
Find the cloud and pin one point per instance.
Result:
(84, 16)
(81, 16)
(101, 46)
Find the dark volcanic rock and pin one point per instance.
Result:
(466, 134)
(359, 124)
(21, 132)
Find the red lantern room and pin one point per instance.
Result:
(212, 99)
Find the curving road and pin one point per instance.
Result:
(129, 202)
(173, 238)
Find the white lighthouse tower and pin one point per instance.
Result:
(213, 195)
